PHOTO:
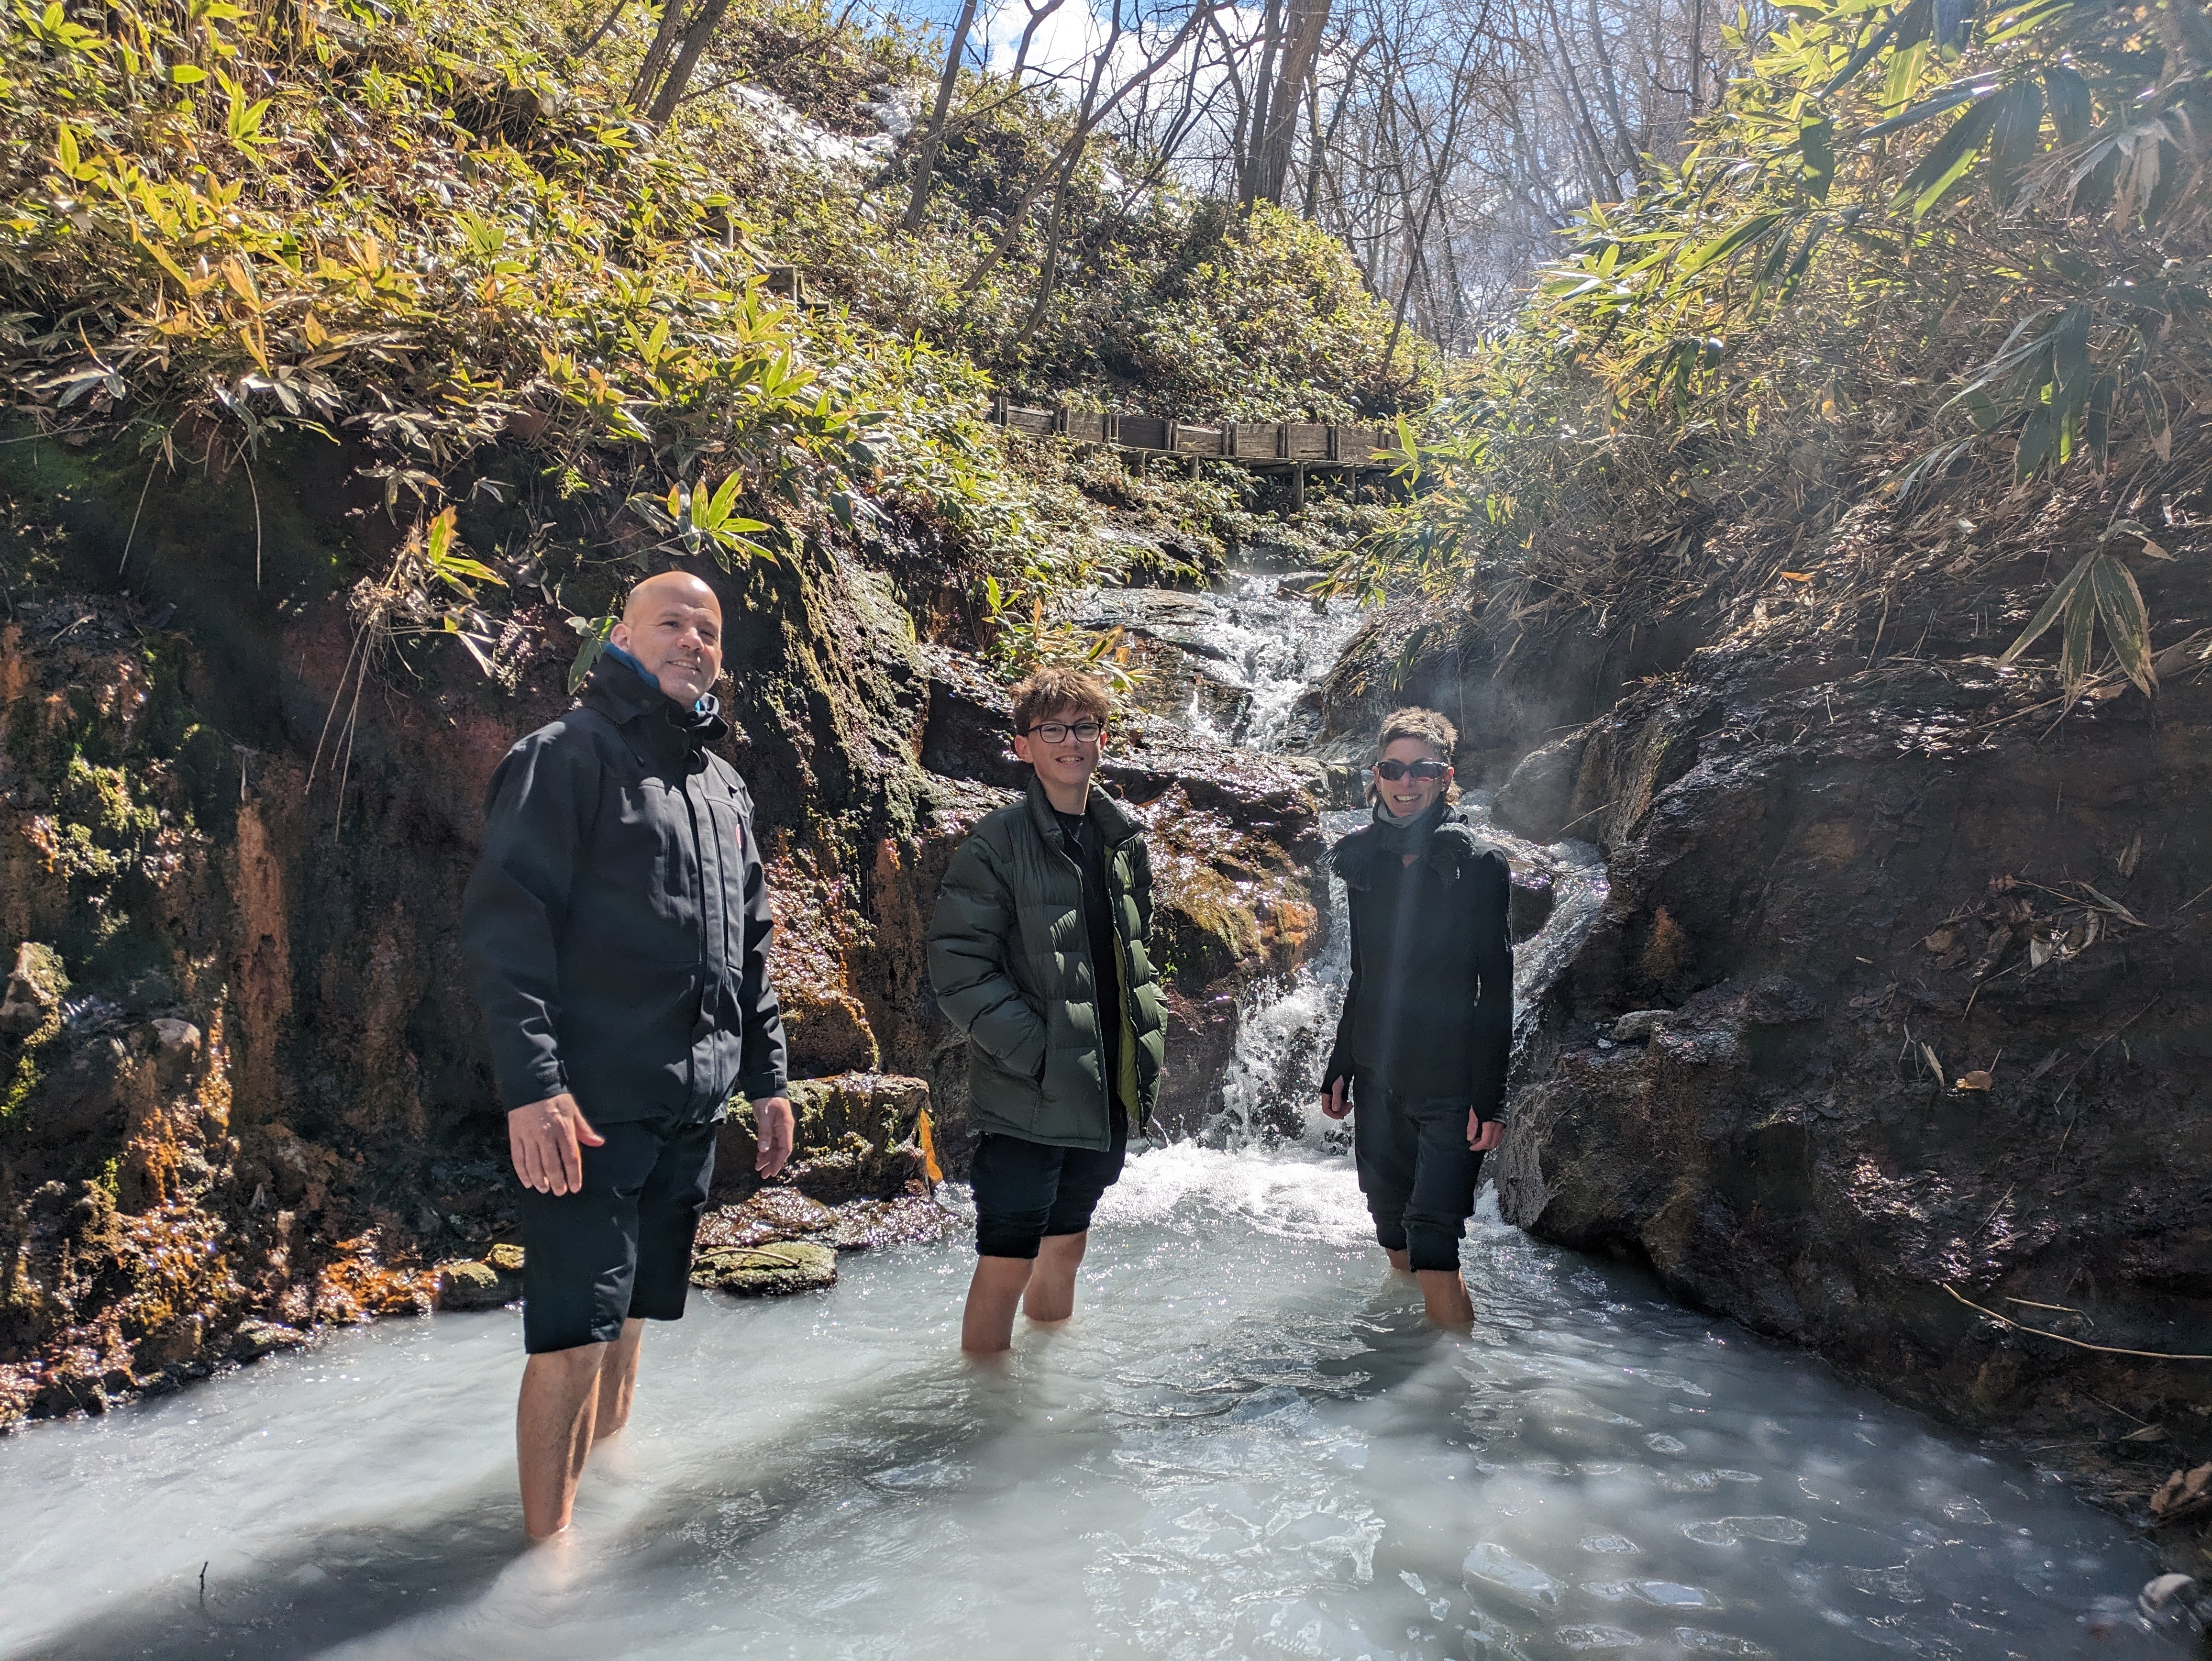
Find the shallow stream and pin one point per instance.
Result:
(1248, 1444)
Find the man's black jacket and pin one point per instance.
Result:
(1428, 1013)
(617, 923)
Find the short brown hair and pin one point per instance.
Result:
(1426, 725)
(1049, 691)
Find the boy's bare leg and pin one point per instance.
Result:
(617, 1381)
(988, 1326)
(1401, 1259)
(553, 1432)
(1051, 1294)
(1444, 1292)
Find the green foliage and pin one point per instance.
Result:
(1916, 243)
(420, 234)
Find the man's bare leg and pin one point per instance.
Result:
(1444, 1292)
(553, 1432)
(617, 1381)
(1401, 1259)
(988, 1326)
(1051, 1294)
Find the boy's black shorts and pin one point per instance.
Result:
(1026, 1190)
(619, 1248)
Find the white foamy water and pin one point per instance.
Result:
(1252, 640)
(1247, 1444)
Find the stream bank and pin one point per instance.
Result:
(245, 1096)
(1917, 963)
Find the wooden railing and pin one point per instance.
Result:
(1295, 445)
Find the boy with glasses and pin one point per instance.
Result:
(1038, 954)
(1427, 1027)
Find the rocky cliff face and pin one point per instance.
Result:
(241, 1082)
(1918, 994)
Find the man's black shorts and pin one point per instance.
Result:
(1026, 1190)
(620, 1248)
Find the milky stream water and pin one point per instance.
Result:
(1247, 1444)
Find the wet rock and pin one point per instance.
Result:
(771, 1215)
(1854, 890)
(1530, 906)
(255, 1339)
(855, 1136)
(910, 1220)
(506, 1257)
(1640, 1024)
(766, 1271)
(35, 989)
(1536, 800)
(1777, 1001)
(470, 1283)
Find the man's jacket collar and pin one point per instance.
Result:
(1102, 810)
(622, 693)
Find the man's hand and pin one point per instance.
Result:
(1482, 1134)
(1332, 1102)
(772, 1125)
(543, 1137)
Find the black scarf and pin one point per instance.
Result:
(1404, 836)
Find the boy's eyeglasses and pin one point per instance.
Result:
(1424, 770)
(1059, 732)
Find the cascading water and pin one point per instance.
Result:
(1247, 1444)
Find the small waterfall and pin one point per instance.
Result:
(1270, 1092)
(1255, 650)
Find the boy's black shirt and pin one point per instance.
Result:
(1083, 844)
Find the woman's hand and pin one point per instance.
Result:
(1334, 1102)
(1482, 1134)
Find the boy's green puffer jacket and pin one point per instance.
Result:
(1010, 959)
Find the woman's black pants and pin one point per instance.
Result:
(1416, 1169)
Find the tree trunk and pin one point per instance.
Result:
(1271, 154)
(926, 163)
(656, 55)
(695, 42)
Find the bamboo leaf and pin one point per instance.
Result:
(2015, 135)
(1736, 237)
(2036, 438)
(2051, 607)
(2127, 625)
(1947, 162)
(1949, 98)
(2081, 623)
(2071, 111)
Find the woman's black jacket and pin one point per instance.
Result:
(1428, 1013)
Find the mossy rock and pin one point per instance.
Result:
(463, 1283)
(506, 1258)
(767, 1271)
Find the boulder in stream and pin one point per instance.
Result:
(767, 1271)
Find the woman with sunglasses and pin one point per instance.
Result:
(1422, 1047)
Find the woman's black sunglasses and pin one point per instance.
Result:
(1394, 770)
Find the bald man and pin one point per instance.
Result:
(617, 930)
